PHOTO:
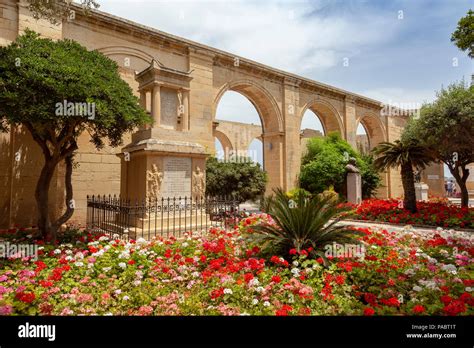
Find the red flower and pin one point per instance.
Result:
(276, 279)
(340, 279)
(248, 277)
(292, 251)
(446, 299)
(418, 309)
(217, 293)
(132, 262)
(284, 310)
(369, 312)
(26, 297)
(455, 307)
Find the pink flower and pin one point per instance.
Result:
(6, 310)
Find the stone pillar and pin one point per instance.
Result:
(354, 188)
(156, 105)
(273, 154)
(350, 125)
(421, 191)
(143, 99)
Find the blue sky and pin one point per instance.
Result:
(397, 51)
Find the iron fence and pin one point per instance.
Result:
(159, 217)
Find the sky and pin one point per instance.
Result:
(396, 51)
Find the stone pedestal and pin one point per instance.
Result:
(161, 174)
(354, 188)
(421, 190)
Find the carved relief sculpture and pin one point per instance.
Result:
(154, 178)
(199, 184)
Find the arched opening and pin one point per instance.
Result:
(242, 124)
(328, 117)
(255, 152)
(373, 128)
(362, 140)
(311, 127)
(223, 145)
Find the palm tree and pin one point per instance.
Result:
(301, 223)
(406, 155)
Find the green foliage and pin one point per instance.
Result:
(463, 37)
(301, 224)
(243, 180)
(324, 165)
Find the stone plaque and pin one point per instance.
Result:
(176, 177)
(169, 108)
(433, 177)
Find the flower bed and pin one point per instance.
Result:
(429, 213)
(402, 273)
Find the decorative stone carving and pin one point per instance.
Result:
(351, 167)
(199, 184)
(154, 178)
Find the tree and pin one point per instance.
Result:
(324, 165)
(242, 179)
(446, 127)
(463, 36)
(407, 156)
(57, 10)
(57, 90)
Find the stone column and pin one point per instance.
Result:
(350, 125)
(156, 105)
(143, 99)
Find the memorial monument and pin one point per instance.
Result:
(157, 169)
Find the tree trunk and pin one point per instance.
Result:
(408, 181)
(69, 201)
(461, 181)
(42, 199)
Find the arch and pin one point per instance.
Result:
(266, 106)
(123, 50)
(374, 127)
(225, 142)
(330, 118)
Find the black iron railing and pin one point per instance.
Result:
(159, 217)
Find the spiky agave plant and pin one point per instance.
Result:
(301, 223)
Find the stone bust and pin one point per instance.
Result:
(351, 166)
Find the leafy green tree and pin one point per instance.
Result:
(301, 223)
(463, 36)
(324, 165)
(407, 156)
(446, 127)
(242, 179)
(58, 90)
(57, 10)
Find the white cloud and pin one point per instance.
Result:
(292, 36)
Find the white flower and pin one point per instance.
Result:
(196, 274)
(244, 314)
(122, 265)
(103, 238)
(449, 268)
(254, 282)
(79, 264)
(185, 244)
(79, 256)
(295, 263)
(141, 240)
(468, 289)
(108, 314)
(254, 301)
(118, 291)
(266, 304)
(295, 272)
(137, 282)
(106, 269)
(125, 298)
(68, 258)
(228, 291)
(417, 288)
(57, 251)
(68, 252)
(260, 289)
